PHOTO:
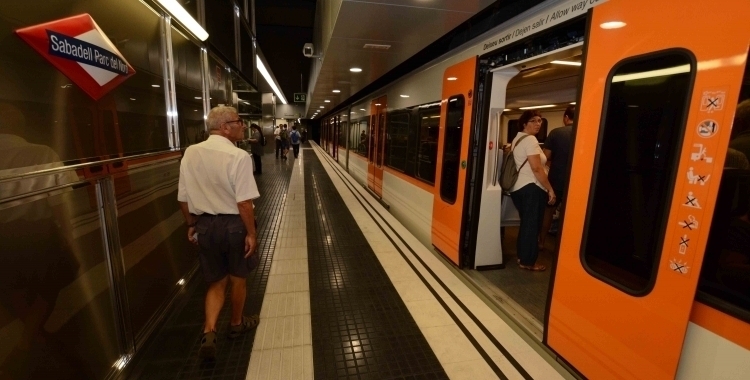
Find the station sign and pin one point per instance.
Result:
(300, 97)
(81, 51)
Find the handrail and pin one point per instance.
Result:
(80, 166)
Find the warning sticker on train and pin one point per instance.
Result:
(713, 101)
(707, 128)
(81, 51)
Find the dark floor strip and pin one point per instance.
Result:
(360, 326)
(173, 351)
(361, 200)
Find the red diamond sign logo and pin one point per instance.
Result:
(81, 51)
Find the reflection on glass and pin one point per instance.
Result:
(219, 80)
(397, 141)
(429, 131)
(188, 78)
(637, 159)
(452, 149)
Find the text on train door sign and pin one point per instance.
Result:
(81, 51)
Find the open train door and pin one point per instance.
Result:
(655, 117)
(452, 157)
(378, 109)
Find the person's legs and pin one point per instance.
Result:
(214, 302)
(239, 293)
(296, 150)
(549, 211)
(278, 148)
(258, 165)
(527, 201)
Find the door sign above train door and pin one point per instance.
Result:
(81, 51)
(622, 312)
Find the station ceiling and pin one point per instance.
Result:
(405, 27)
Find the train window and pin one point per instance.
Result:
(639, 145)
(452, 149)
(397, 141)
(725, 276)
(429, 131)
(359, 137)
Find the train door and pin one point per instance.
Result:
(452, 157)
(655, 116)
(378, 109)
(336, 128)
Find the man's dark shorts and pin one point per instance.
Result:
(559, 196)
(221, 239)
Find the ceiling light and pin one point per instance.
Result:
(132, 98)
(327, 101)
(362, 109)
(404, 96)
(573, 103)
(155, 85)
(336, 91)
(198, 97)
(452, 78)
(506, 110)
(652, 74)
(612, 25)
(355, 70)
(569, 63)
(377, 104)
(535, 107)
(322, 107)
(178, 12)
(195, 110)
(267, 76)
(376, 46)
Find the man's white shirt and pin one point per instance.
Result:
(214, 176)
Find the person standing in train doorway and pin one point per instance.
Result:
(216, 191)
(557, 150)
(532, 190)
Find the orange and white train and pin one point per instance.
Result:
(651, 278)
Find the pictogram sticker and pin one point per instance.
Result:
(699, 154)
(697, 179)
(684, 244)
(692, 201)
(707, 128)
(690, 223)
(678, 266)
(713, 101)
(81, 51)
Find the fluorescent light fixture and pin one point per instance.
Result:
(362, 109)
(327, 101)
(569, 63)
(612, 25)
(155, 85)
(435, 117)
(573, 103)
(506, 110)
(355, 70)
(536, 107)
(336, 91)
(181, 281)
(404, 96)
(652, 74)
(377, 104)
(452, 78)
(267, 76)
(132, 98)
(198, 97)
(178, 12)
(322, 107)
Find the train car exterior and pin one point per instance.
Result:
(643, 284)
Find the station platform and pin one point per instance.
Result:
(344, 291)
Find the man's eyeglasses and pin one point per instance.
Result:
(235, 122)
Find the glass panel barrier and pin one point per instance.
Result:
(152, 231)
(56, 314)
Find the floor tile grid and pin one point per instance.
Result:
(532, 361)
(283, 343)
(173, 352)
(361, 328)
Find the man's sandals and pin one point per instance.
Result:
(533, 268)
(208, 342)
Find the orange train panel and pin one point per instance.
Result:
(378, 108)
(603, 332)
(447, 217)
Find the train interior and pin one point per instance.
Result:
(548, 84)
